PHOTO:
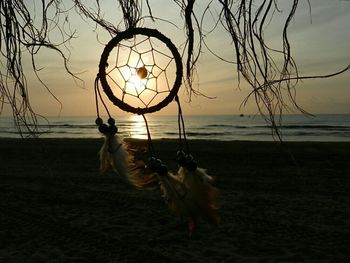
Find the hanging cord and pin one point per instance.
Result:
(149, 139)
(181, 126)
(98, 95)
(96, 99)
(156, 165)
(104, 128)
(180, 133)
(184, 159)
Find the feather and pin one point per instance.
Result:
(113, 155)
(105, 161)
(179, 199)
(141, 179)
(203, 193)
(175, 193)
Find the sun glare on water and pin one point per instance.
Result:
(138, 128)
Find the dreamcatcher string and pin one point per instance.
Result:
(149, 139)
(99, 96)
(181, 127)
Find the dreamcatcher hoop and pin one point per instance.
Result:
(126, 35)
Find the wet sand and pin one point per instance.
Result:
(54, 207)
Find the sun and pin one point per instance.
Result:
(138, 79)
(135, 79)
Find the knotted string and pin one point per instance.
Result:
(99, 96)
(181, 127)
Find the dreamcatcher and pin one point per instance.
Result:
(140, 71)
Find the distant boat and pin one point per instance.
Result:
(241, 115)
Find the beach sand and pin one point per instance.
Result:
(54, 207)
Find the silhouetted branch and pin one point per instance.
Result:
(25, 32)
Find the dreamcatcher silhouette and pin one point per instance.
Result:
(140, 76)
(141, 71)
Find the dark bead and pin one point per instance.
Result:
(99, 121)
(157, 166)
(103, 128)
(152, 160)
(113, 129)
(189, 158)
(111, 121)
(181, 158)
(192, 166)
(162, 170)
(180, 154)
(152, 163)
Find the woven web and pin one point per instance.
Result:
(131, 55)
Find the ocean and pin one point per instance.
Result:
(326, 127)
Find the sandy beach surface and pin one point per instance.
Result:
(55, 207)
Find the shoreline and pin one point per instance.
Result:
(292, 128)
(163, 139)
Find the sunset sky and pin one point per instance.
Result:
(320, 45)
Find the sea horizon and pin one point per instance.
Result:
(294, 127)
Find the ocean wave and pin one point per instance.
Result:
(320, 127)
(61, 125)
(285, 126)
(230, 126)
(203, 134)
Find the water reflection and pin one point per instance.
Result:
(138, 128)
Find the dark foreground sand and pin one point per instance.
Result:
(54, 207)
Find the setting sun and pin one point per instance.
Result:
(135, 82)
